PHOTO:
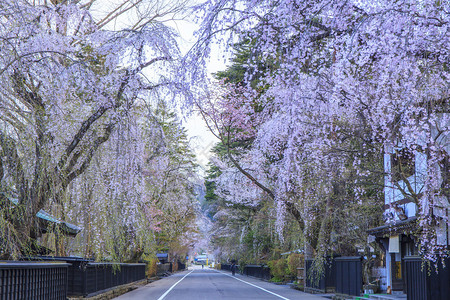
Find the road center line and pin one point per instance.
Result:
(254, 285)
(165, 294)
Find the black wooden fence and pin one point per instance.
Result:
(75, 276)
(163, 269)
(87, 278)
(312, 282)
(181, 266)
(259, 271)
(98, 277)
(226, 267)
(344, 276)
(33, 280)
(327, 280)
(348, 275)
(425, 284)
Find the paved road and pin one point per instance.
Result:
(209, 284)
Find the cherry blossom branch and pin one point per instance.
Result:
(90, 154)
(14, 163)
(101, 111)
(117, 12)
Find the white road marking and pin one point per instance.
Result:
(165, 294)
(254, 285)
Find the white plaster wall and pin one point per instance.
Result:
(388, 272)
(410, 209)
(417, 181)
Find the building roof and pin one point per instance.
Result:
(293, 251)
(162, 255)
(66, 228)
(407, 226)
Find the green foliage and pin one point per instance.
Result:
(151, 265)
(294, 261)
(278, 269)
(276, 279)
(237, 73)
(211, 199)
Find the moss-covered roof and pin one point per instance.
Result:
(66, 228)
(407, 226)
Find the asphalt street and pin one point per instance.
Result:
(208, 284)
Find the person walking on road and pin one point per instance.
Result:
(203, 266)
(233, 269)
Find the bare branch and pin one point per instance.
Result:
(89, 155)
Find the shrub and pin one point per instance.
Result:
(151, 268)
(278, 269)
(294, 261)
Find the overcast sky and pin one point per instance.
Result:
(201, 139)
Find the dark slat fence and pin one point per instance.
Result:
(327, 281)
(163, 269)
(227, 267)
(424, 284)
(349, 275)
(313, 283)
(28, 280)
(76, 269)
(88, 278)
(98, 277)
(259, 271)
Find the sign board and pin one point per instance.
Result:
(394, 244)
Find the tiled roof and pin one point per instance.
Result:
(407, 226)
(65, 227)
